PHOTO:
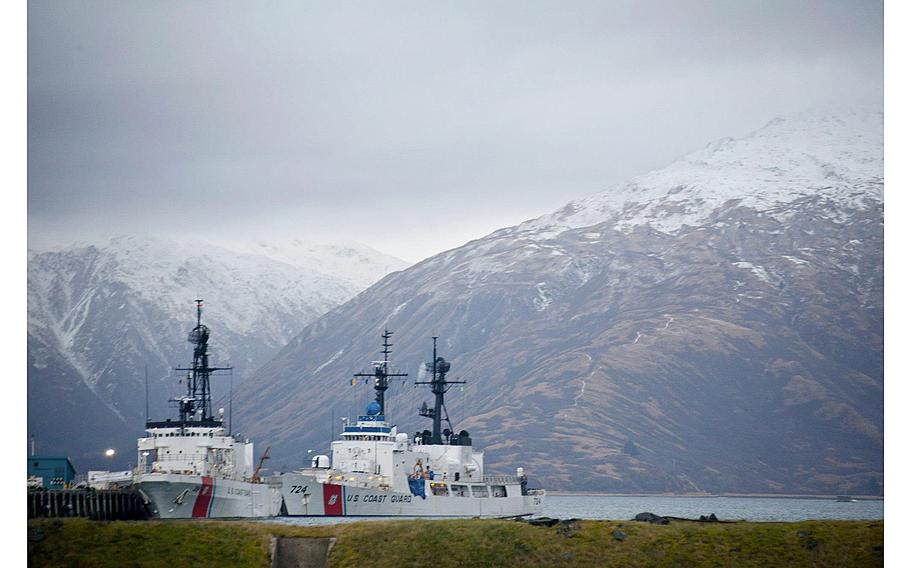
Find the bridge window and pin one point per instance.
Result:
(479, 491)
(498, 490)
(460, 491)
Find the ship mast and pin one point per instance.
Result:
(381, 374)
(196, 406)
(439, 385)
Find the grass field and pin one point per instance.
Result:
(461, 543)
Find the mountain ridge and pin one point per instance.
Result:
(737, 347)
(100, 314)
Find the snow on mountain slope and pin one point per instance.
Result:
(99, 314)
(832, 154)
(355, 263)
(171, 274)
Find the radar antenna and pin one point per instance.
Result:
(196, 406)
(439, 385)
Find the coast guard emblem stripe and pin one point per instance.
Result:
(332, 500)
(203, 498)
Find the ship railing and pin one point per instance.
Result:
(190, 463)
(502, 479)
(199, 457)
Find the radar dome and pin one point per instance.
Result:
(373, 408)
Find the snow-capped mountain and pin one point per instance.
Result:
(353, 263)
(713, 325)
(819, 154)
(99, 315)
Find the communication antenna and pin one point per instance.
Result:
(146, 393)
(381, 374)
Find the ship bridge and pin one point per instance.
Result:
(370, 426)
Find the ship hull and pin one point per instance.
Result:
(175, 496)
(304, 495)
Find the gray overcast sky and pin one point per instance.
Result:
(410, 126)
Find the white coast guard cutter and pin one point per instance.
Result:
(193, 467)
(377, 471)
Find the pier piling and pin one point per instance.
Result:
(104, 505)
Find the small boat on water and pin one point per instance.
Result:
(193, 466)
(845, 499)
(375, 470)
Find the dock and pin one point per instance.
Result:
(99, 505)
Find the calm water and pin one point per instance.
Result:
(726, 508)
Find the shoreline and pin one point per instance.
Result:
(714, 495)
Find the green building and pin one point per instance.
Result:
(55, 471)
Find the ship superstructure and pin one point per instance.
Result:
(374, 470)
(194, 466)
